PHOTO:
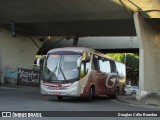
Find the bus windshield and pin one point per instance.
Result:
(60, 68)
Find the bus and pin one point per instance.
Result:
(80, 72)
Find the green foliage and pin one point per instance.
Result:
(117, 56)
(132, 61)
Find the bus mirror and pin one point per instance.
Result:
(79, 60)
(103, 59)
(39, 60)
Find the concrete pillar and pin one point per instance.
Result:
(149, 47)
(16, 52)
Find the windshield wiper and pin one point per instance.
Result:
(61, 69)
(62, 73)
(54, 70)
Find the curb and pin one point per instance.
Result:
(124, 101)
(18, 86)
(139, 104)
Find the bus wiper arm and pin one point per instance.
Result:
(62, 73)
(54, 70)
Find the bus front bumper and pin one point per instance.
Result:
(66, 92)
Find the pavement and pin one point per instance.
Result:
(16, 86)
(131, 99)
(128, 99)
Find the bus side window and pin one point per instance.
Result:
(113, 67)
(104, 65)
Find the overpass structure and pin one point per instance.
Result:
(23, 22)
(104, 44)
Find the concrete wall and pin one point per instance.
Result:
(16, 52)
(149, 44)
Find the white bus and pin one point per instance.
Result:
(80, 72)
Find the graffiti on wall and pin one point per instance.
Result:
(28, 77)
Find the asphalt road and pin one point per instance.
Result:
(29, 99)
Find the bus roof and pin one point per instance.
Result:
(75, 49)
(81, 50)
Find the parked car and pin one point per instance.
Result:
(134, 88)
(129, 90)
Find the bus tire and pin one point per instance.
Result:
(115, 96)
(60, 97)
(91, 94)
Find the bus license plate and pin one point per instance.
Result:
(56, 93)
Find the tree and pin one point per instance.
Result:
(132, 60)
(132, 64)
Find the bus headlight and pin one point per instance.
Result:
(74, 85)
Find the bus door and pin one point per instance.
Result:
(104, 66)
(99, 79)
(112, 78)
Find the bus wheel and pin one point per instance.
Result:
(115, 96)
(91, 94)
(60, 97)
